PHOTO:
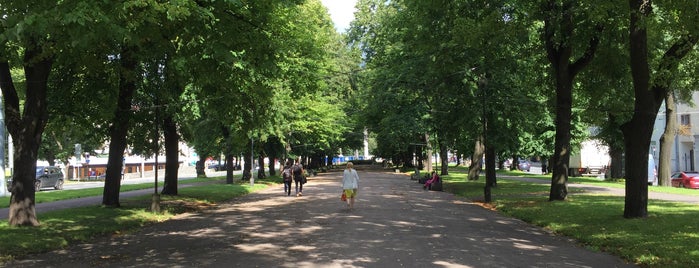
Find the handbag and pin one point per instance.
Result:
(343, 197)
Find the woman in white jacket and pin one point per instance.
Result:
(350, 183)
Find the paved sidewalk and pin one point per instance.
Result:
(395, 224)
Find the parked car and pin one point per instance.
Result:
(524, 165)
(46, 176)
(685, 179)
(217, 167)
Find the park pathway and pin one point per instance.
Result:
(395, 224)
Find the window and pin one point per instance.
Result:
(685, 120)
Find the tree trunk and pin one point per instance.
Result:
(172, 152)
(428, 160)
(616, 158)
(490, 178)
(638, 131)
(261, 167)
(443, 155)
(230, 167)
(561, 157)
(120, 126)
(559, 27)
(201, 166)
(474, 169)
(667, 139)
(228, 154)
(648, 99)
(271, 166)
(247, 166)
(26, 130)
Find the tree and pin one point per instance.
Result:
(650, 86)
(559, 28)
(28, 39)
(667, 139)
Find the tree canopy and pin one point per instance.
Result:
(479, 80)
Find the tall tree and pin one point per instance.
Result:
(667, 139)
(650, 87)
(128, 78)
(560, 21)
(29, 39)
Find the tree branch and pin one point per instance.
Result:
(9, 93)
(589, 54)
(670, 62)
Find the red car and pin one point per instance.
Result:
(685, 179)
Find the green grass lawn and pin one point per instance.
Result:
(668, 237)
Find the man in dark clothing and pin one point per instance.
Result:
(287, 176)
(299, 178)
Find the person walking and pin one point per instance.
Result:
(350, 183)
(287, 177)
(299, 179)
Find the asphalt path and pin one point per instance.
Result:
(395, 224)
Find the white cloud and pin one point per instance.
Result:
(341, 12)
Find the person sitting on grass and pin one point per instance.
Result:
(428, 183)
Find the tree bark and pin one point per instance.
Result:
(128, 75)
(428, 160)
(474, 169)
(172, 152)
(201, 166)
(616, 158)
(667, 139)
(558, 32)
(270, 167)
(26, 130)
(261, 167)
(490, 178)
(443, 155)
(247, 166)
(648, 99)
(228, 154)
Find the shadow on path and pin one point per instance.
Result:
(395, 224)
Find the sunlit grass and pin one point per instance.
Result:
(668, 237)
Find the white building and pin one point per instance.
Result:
(683, 156)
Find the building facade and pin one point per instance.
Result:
(683, 156)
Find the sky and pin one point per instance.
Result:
(341, 12)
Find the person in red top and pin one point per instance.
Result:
(434, 179)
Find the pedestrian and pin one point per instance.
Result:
(350, 183)
(434, 179)
(287, 177)
(299, 178)
(544, 166)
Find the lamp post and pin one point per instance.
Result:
(3, 187)
(87, 165)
